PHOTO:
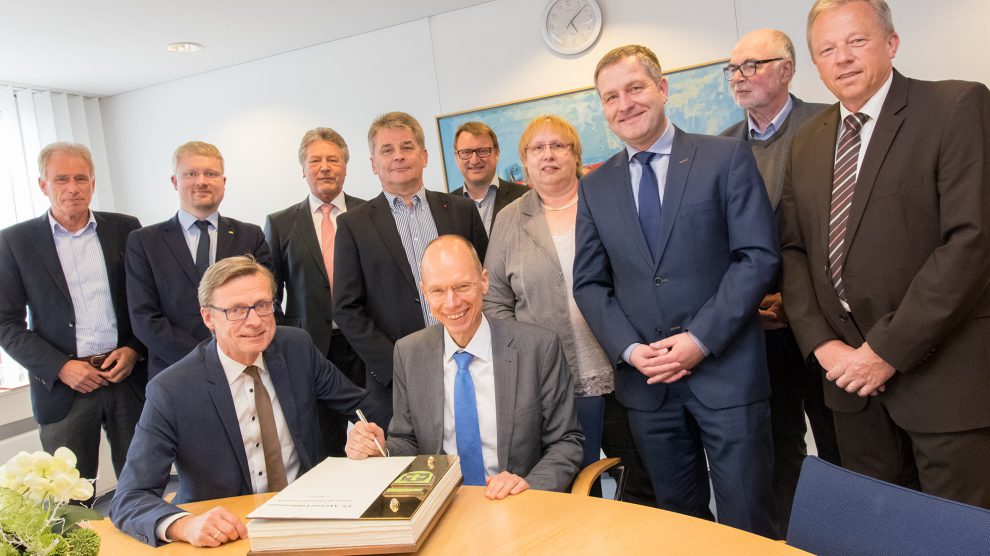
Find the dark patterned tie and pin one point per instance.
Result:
(649, 202)
(203, 248)
(843, 187)
(274, 465)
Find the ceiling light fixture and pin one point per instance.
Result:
(184, 47)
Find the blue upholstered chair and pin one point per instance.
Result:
(840, 513)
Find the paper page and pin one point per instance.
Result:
(338, 488)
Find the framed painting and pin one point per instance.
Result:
(699, 102)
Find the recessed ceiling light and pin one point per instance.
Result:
(184, 47)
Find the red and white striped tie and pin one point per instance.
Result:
(843, 187)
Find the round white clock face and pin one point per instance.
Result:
(571, 26)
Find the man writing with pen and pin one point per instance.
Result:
(237, 415)
(495, 392)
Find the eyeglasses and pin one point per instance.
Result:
(482, 152)
(747, 69)
(555, 148)
(209, 174)
(261, 308)
(459, 289)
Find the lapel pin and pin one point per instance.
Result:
(683, 161)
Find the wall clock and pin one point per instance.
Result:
(571, 26)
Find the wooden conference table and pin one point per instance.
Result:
(534, 522)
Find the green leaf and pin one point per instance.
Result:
(72, 515)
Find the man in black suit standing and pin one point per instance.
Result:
(67, 268)
(476, 153)
(379, 245)
(301, 238)
(165, 261)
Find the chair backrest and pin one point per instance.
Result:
(841, 513)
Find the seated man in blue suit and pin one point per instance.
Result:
(231, 415)
(165, 261)
(676, 246)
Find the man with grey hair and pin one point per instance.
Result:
(476, 153)
(236, 415)
(380, 245)
(759, 75)
(885, 233)
(165, 261)
(66, 268)
(301, 238)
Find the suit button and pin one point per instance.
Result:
(843, 317)
(72, 325)
(658, 280)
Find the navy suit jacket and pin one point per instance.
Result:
(31, 277)
(376, 301)
(718, 255)
(162, 283)
(189, 419)
(300, 275)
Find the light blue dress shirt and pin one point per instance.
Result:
(416, 230)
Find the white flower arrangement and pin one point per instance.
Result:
(35, 518)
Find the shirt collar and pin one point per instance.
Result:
(315, 203)
(774, 124)
(872, 106)
(233, 370)
(480, 345)
(420, 195)
(662, 146)
(56, 227)
(187, 221)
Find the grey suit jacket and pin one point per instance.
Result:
(539, 438)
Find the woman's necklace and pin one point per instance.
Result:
(566, 206)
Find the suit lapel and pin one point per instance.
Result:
(384, 223)
(226, 234)
(109, 235)
(304, 223)
(278, 370)
(45, 246)
(224, 404)
(678, 168)
(622, 193)
(432, 362)
(501, 196)
(883, 135)
(176, 241)
(504, 363)
(822, 167)
(534, 224)
(439, 208)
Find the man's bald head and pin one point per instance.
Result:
(454, 285)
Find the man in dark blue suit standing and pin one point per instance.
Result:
(676, 245)
(165, 261)
(237, 415)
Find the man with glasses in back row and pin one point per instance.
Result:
(476, 152)
(165, 261)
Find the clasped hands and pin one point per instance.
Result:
(858, 371)
(83, 377)
(361, 445)
(667, 360)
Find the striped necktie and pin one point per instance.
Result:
(843, 187)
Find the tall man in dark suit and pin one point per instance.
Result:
(236, 415)
(495, 392)
(67, 268)
(301, 239)
(759, 74)
(675, 249)
(476, 153)
(380, 244)
(165, 261)
(886, 245)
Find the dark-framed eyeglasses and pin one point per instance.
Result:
(482, 152)
(261, 308)
(747, 68)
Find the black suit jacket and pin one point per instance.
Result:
(917, 252)
(162, 284)
(31, 277)
(377, 300)
(300, 275)
(507, 192)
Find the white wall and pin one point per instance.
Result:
(478, 56)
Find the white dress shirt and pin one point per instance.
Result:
(191, 233)
(483, 374)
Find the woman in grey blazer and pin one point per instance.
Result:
(529, 260)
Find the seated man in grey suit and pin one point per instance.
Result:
(237, 415)
(495, 392)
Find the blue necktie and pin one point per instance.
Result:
(466, 423)
(203, 247)
(649, 202)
